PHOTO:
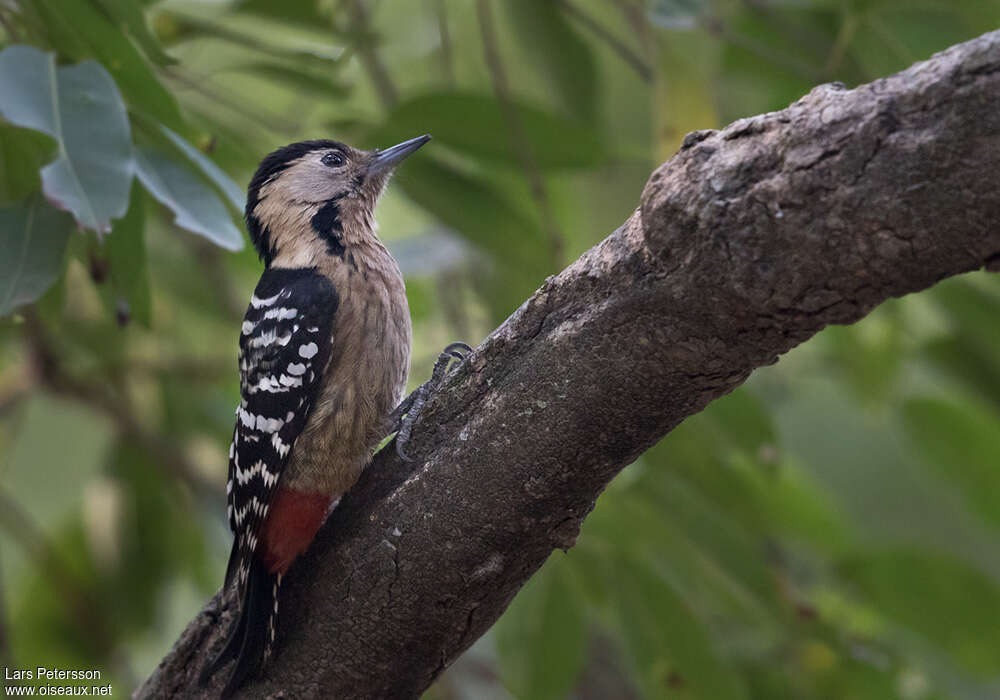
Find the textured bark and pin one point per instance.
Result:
(747, 242)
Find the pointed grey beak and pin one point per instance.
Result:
(391, 157)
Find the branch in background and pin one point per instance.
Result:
(187, 369)
(630, 57)
(716, 27)
(212, 265)
(518, 138)
(51, 375)
(748, 242)
(804, 34)
(447, 50)
(386, 90)
(848, 27)
(635, 15)
(605, 673)
(262, 118)
(451, 288)
(8, 26)
(15, 387)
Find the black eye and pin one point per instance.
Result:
(333, 159)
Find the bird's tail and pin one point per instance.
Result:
(251, 637)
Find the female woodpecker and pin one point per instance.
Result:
(324, 357)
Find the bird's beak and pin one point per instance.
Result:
(389, 158)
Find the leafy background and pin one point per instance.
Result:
(827, 531)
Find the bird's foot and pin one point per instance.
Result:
(406, 414)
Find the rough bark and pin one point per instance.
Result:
(746, 243)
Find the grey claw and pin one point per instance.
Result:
(465, 347)
(454, 349)
(400, 453)
(414, 403)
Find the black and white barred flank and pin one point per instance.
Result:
(284, 349)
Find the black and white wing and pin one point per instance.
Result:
(284, 348)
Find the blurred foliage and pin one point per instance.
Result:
(829, 530)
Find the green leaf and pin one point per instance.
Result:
(459, 200)
(973, 309)
(766, 66)
(541, 638)
(962, 442)
(722, 462)
(553, 44)
(475, 124)
(741, 420)
(669, 646)
(79, 30)
(683, 91)
(161, 537)
(796, 508)
(959, 356)
(955, 608)
(196, 206)
(869, 355)
(79, 106)
(320, 85)
(303, 45)
(130, 15)
(733, 554)
(715, 566)
(890, 39)
(23, 152)
(306, 14)
(125, 249)
(33, 237)
(233, 192)
(35, 465)
(701, 453)
(57, 615)
(861, 461)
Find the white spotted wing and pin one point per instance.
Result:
(284, 348)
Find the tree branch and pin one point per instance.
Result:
(746, 243)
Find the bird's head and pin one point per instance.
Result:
(318, 195)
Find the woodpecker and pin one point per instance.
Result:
(324, 358)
